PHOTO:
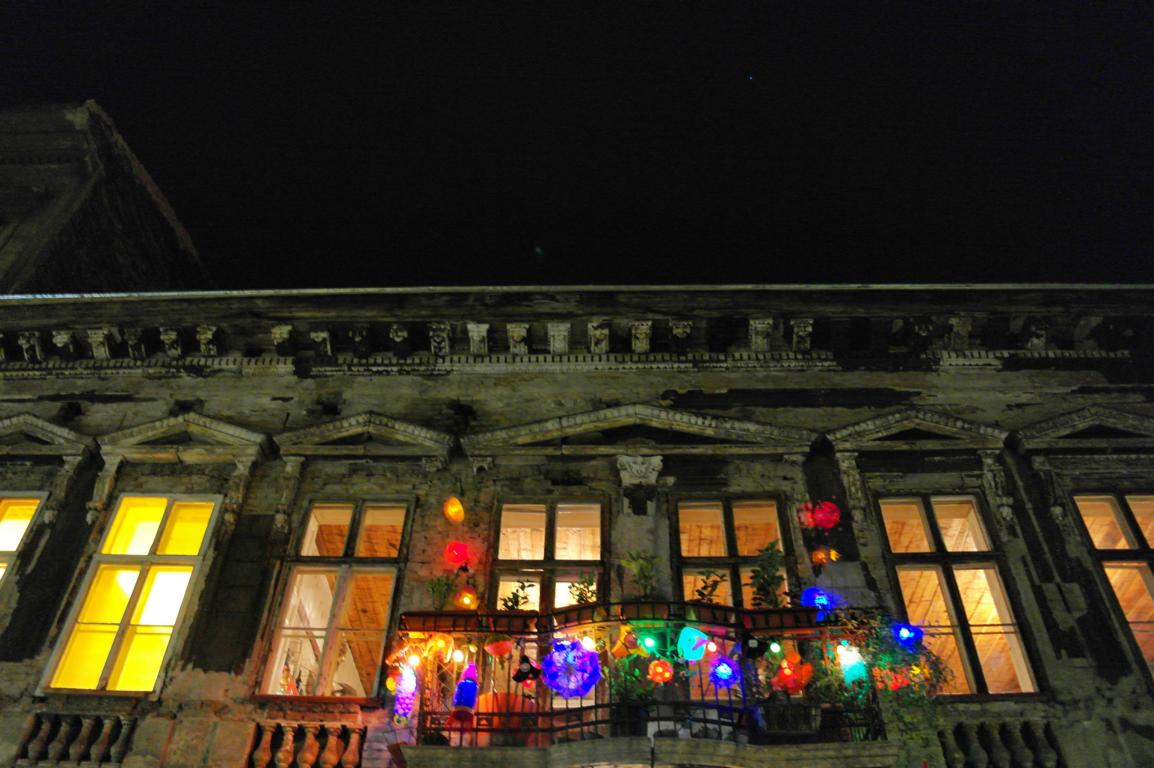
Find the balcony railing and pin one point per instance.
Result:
(512, 710)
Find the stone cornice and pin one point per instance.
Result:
(223, 441)
(414, 440)
(49, 439)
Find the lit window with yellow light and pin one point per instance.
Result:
(136, 592)
(337, 601)
(15, 519)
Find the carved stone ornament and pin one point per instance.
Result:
(105, 482)
(281, 333)
(760, 332)
(802, 328)
(398, 333)
(958, 332)
(290, 483)
(641, 332)
(64, 341)
(558, 338)
(518, 338)
(439, 339)
(323, 341)
(206, 339)
(478, 338)
(60, 486)
(134, 337)
(481, 464)
(434, 463)
(29, 342)
(170, 338)
(681, 329)
(101, 340)
(598, 338)
(994, 484)
(639, 470)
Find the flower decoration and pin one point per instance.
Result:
(406, 694)
(570, 670)
(498, 646)
(660, 671)
(691, 644)
(724, 673)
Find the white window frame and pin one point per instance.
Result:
(9, 559)
(191, 598)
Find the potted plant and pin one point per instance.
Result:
(440, 618)
(513, 618)
(641, 604)
(705, 596)
(767, 580)
(630, 696)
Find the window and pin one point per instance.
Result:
(554, 549)
(722, 538)
(15, 518)
(1121, 530)
(330, 638)
(120, 633)
(951, 587)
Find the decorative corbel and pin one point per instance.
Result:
(282, 339)
(478, 338)
(598, 338)
(206, 339)
(802, 328)
(134, 337)
(101, 340)
(170, 337)
(639, 481)
(760, 331)
(958, 332)
(641, 332)
(290, 484)
(105, 484)
(1056, 496)
(994, 484)
(481, 464)
(855, 493)
(439, 339)
(518, 338)
(30, 345)
(60, 485)
(234, 496)
(65, 341)
(323, 341)
(558, 338)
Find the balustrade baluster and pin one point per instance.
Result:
(1044, 754)
(998, 754)
(284, 756)
(100, 746)
(80, 743)
(1012, 738)
(37, 746)
(307, 757)
(262, 750)
(352, 755)
(950, 751)
(976, 756)
(120, 748)
(334, 747)
(59, 746)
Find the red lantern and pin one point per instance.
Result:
(499, 646)
(457, 552)
(660, 671)
(826, 515)
(792, 676)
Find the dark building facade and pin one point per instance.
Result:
(224, 521)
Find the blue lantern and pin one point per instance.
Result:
(725, 673)
(570, 670)
(812, 597)
(908, 636)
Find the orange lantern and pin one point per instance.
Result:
(454, 510)
(466, 598)
(499, 646)
(660, 671)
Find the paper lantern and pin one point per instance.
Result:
(498, 646)
(570, 670)
(465, 696)
(824, 556)
(691, 644)
(406, 694)
(457, 552)
(660, 671)
(826, 515)
(466, 598)
(853, 666)
(454, 510)
(908, 636)
(793, 675)
(724, 673)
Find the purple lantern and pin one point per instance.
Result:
(570, 670)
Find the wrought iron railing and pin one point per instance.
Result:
(514, 707)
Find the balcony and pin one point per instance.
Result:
(631, 712)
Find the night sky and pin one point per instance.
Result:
(386, 143)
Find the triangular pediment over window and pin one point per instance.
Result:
(28, 435)
(366, 434)
(189, 436)
(1093, 427)
(639, 429)
(915, 429)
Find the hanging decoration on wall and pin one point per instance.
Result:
(440, 644)
(753, 647)
(824, 555)
(793, 675)
(453, 510)
(691, 644)
(465, 696)
(724, 673)
(824, 515)
(457, 553)
(527, 671)
(498, 646)
(570, 669)
(406, 694)
(660, 671)
(908, 636)
(815, 597)
(466, 598)
(626, 643)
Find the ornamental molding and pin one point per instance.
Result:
(213, 440)
(1061, 432)
(882, 433)
(639, 470)
(735, 436)
(392, 438)
(43, 438)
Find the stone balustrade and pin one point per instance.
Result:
(94, 740)
(280, 744)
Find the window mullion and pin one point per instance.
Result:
(125, 620)
(550, 532)
(339, 598)
(728, 528)
(931, 517)
(971, 662)
(1136, 534)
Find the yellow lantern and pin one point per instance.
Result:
(466, 598)
(454, 510)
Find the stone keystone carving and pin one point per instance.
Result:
(639, 470)
(760, 331)
(518, 338)
(598, 338)
(478, 338)
(641, 332)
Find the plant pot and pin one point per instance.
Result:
(628, 719)
(513, 622)
(644, 610)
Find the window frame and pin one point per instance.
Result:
(548, 568)
(344, 564)
(181, 625)
(731, 564)
(12, 559)
(1137, 554)
(945, 562)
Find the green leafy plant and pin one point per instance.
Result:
(768, 576)
(643, 566)
(441, 590)
(584, 590)
(710, 581)
(518, 598)
(628, 684)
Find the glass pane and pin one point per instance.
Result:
(944, 643)
(296, 663)
(84, 656)
(906, 528)
(327, 530)
(15, 516)
(367, 601)
(310, 598)
(578, 532)
(1143, 509)
(1134, 585)
(999, 647)
(381, 529)
(508, 584)
(959, 523)
(1103, 519)
(358, 663)
(564, 588)
(185, 529)
(135, 525)
(702, 532)
(755, 523)
(108, 595)
(162, 596)
(140, 658)
(522, 532)
(747, 589)
(923, 590)
(693, 581)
